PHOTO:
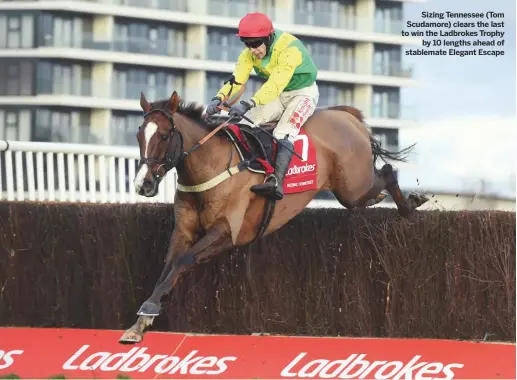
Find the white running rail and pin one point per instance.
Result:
(41, 171)
(62, 172)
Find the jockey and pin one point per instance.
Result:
(289, 95)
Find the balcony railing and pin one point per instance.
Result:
(339, 62)
(168, 5)
(237, 9)
(328, 62)
(80, 87)
(393, 110)
(126, 45)
(224, 8)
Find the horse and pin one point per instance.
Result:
(214, 208)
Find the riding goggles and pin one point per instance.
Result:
(253, 43)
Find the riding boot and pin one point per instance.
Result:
(273, 187)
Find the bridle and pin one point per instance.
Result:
(172, 158)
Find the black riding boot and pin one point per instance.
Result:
(273, 187)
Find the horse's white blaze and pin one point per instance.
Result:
(150, 130)
(140, 176)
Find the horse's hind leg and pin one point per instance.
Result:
(404, 205)
(384, 180)
(373, 196)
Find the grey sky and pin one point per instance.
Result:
(453, 89)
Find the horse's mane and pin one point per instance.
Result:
(192, 110)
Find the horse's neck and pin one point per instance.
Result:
(207, 161)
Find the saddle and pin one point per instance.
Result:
(256, 145)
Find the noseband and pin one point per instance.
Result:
(172, 157)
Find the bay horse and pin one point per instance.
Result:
(214, 207)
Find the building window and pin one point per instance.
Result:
(62, 125)
(238, 8)
(215, 83)
(16, 30)
(15, 124)
(388, 17)
(386, 102)
(170, 5)
(332, 94)
(16, 77)
(65, 31)
(141, 38)
(326, 13)
(14, 35)
(389, 138)
(11, 126)
(331, 55)
(124, 126)
(387, 60)
(13, 80)
(223, 45)
(64, 78)
(156, 84)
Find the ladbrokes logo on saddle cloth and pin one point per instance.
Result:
(302, 174)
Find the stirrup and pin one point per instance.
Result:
(272, 175)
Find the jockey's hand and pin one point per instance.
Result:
(241, 108)
(212, 106)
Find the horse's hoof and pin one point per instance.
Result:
(149, 309)
(131, 336)
(417, 199)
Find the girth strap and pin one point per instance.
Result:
(214, 181)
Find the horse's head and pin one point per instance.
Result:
(161, 145)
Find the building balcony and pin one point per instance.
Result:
(125, 96)
(335, 63)
(216, 13)
(128, 45)
(392, 115)
(169, 54)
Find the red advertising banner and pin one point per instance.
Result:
(42, 353)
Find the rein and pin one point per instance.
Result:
(223, 124)
(172, 159)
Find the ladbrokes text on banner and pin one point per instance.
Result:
(41, 353)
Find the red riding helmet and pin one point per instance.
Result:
(255, 25)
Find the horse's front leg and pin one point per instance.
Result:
(182, 238)
(217, 239)
(180, 242)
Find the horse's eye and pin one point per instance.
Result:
(164, 137)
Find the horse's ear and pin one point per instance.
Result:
(173, 103)
(146, 107)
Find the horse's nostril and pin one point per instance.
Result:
(147, 184)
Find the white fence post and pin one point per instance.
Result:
(73, 173)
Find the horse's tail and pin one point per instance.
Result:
(378, 151)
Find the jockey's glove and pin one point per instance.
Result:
(241, 108)
(212, 109)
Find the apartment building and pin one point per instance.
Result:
(72, 71)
